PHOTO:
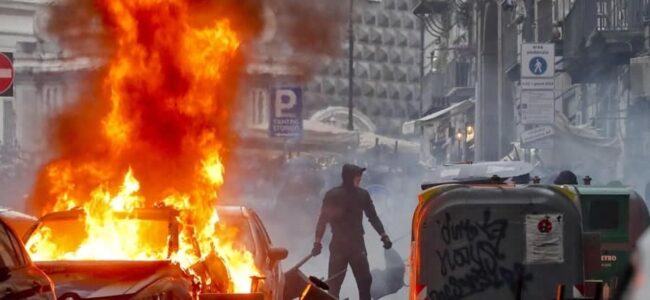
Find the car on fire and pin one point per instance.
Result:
(19, 277)
(254, 237)
(158, 279)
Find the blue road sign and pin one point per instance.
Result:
(538, 65)
(286, 112)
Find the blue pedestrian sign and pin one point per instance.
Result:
(537, 61)
(286, 112)
(538, 65)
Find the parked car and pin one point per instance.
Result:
(87, 279)
(253, 236)
(19, 222)
(19, 277)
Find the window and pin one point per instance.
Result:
(607, 215)
(21, 254)
(258, 100)
(604, 215)
(262, 242)
(8, 253)
(53, 98)
(238, 230)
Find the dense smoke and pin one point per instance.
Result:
(154, 95)
(83, 30)
(312, 29)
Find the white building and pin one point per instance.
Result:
(16, 25)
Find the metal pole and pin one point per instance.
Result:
(500, 80)
(351, 71)
(536, 21)
(422, 49)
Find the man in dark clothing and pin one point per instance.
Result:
(343, 209)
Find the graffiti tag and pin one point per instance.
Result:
(472, 260)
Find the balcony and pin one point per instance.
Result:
(458, 82)
(600, 34)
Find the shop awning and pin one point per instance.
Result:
(321, 136)
(408, 128)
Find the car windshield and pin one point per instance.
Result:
(67, 239)
(236, 229)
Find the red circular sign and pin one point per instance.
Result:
(6, 73)
(545, 226)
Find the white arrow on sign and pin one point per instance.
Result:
(5, 73)
(536, 134)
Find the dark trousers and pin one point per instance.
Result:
(354, 255)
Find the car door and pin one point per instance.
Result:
(19, 278)
(272, 271)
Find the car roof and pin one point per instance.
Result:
(233, 211)
(7, 213)
(18, 221)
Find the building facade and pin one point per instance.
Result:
(387, 55)
(602, 80)
(16, 25)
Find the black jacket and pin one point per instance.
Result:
(343, 209)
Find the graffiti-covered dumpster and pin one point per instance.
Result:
(494, 241)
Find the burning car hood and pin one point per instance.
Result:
(99, 279)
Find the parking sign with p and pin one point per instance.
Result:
(286, 112)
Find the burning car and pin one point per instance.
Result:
(157, 272)
(253, 236)
(19, 277)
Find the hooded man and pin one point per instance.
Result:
(343, 209)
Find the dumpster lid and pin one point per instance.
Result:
(603, 190)
(477, 173)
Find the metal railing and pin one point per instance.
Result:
(620, 15)
(588, 16)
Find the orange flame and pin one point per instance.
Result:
(156, 131)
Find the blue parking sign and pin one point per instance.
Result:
(286, 112)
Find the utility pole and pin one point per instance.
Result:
(536, 21)
(422, 57)
(351, 70)
(500, 92)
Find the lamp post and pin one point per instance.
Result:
(351, 68)
(459, 137)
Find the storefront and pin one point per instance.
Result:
(446, 136)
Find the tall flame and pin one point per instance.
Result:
(155, 131)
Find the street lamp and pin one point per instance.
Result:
(469, 130)
(351, 68)
(460, 137)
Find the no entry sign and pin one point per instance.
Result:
(6, 74)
